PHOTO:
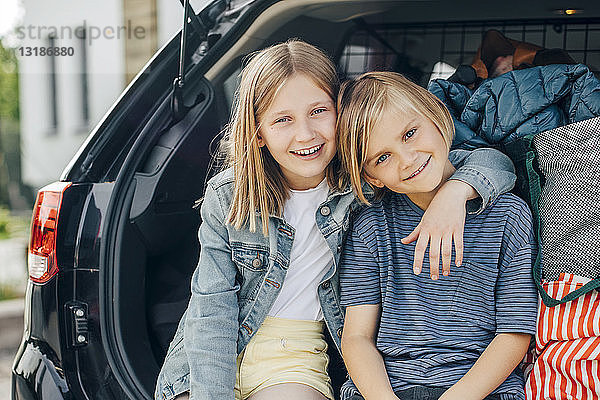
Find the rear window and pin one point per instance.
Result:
(425, 51)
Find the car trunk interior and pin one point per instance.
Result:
(158, 246)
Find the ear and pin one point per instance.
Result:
(372, 181)
(260, 140)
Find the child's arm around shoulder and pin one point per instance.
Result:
(488, 171)
(481, 174)
(363, 360)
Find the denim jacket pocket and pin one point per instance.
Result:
(474, 298)
(250, 257)
(252, 262)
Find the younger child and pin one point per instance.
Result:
(405, 336)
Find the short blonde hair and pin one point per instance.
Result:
(362, 103)
(259, 183)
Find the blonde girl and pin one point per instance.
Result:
(265, 292)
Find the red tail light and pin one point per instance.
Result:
(42, 244)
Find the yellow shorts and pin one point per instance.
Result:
(284, 351)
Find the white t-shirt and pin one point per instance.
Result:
(310, 258)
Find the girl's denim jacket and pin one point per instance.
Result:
(239, 275)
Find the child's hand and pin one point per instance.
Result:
(443, 222)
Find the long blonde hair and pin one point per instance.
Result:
(259, 183)
(361, 104)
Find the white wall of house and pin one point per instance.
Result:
(170, 18)
(47, 148)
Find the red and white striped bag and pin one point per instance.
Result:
(567, 345)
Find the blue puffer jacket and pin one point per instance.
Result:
(518, 103)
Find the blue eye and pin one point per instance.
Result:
(409, 134)
(382, 158)
(282, 119)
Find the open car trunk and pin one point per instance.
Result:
(153, 248)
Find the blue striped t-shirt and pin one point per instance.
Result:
(432, 332)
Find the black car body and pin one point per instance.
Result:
(114, 242)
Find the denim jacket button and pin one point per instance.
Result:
(325, 211)
(325, 285)
(339, 332)
(256, 263)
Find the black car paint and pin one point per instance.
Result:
(47, 365)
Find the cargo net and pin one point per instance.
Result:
(569, 203)
(423, 52)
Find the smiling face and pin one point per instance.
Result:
(407, 154)
(298, 129)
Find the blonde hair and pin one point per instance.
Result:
(259, 183)
(362, 103)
